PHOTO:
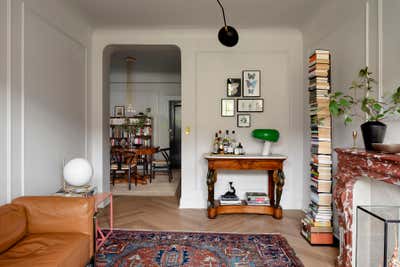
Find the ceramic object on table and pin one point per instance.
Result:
(387, 148)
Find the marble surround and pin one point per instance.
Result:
(353, 164)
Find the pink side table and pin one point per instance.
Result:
(100, 198)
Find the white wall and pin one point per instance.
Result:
(45, 111)
(202, 90)
(4, 95)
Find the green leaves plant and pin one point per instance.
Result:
(342, 105)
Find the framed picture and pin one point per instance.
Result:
(233, 87)
(250, 105)
(227, 107)
(251, 83)
(119, 111)
(243, 120)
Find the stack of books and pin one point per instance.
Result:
(230, 201)
(257, 198)
(317, 223)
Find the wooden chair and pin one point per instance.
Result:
(145, 159)
(123, 162)
(163, 165)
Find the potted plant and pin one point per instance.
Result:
(375, 110)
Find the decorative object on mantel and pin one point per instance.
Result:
(375, 110)
(227, 35)
(355, 135)
(387, 148)
(353, 164)
(377, 233)
(269, 136)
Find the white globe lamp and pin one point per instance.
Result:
(78, 172)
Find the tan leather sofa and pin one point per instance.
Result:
(48, 231)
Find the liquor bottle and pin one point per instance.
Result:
(239, 149)
(226, 141)
(231, 146)
(220, 143)
(233, 141)
(216, 144)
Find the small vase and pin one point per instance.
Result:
(373, 132)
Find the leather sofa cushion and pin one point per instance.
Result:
(48, 250)
(12, 225)
(58, 214)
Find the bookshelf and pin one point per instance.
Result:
(135, 131)
(317, 222)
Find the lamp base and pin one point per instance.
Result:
(267, 148)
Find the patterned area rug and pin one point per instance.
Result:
(173, 249)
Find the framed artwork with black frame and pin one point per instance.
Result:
(251, 83)
(243, 120)
(119, 111)
(227, 107)
(250, 105)
(233, 87)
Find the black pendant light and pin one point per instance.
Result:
(228, 36)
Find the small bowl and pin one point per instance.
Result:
(387, 148)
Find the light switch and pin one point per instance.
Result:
(187, 130)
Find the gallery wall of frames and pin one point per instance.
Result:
(243, 96)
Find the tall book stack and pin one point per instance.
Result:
(317, 223)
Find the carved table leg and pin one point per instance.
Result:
(271, 187)
(211, 179)
(279, 180)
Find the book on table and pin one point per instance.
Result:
(257, 199)
(230, 201)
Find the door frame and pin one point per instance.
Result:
(173, 103)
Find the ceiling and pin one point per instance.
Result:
(197, 13)
(149, 58)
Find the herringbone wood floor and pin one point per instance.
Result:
(162, 213)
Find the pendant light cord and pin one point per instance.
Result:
(223, 14)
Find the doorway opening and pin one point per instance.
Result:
(144, 83)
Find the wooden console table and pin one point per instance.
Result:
(276, 180)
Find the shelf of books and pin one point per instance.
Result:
(317, 223)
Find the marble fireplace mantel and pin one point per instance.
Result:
(353, 164)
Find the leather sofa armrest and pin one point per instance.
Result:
(55, 214)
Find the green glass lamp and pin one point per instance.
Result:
(269, 136)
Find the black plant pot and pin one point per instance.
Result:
(373, 132)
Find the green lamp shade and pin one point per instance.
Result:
(270, 135)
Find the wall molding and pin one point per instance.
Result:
(8, 85)
(23, 98)
(24, 10)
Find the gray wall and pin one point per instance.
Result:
(43, 117)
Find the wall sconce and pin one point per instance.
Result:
(227, 35)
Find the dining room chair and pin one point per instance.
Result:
(125, 163)
(163, 165)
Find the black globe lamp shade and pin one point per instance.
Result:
(228, 36)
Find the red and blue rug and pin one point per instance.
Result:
(175, 249)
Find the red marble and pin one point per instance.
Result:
(353, 164)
